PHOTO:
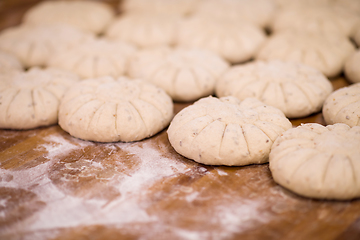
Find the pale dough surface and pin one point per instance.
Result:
(325, 53)
(95, 58)
(185, 74)
(110, 110)
(235, 41)
(296, 89)
(35, 45)
(343, 106)
(8, 62)
(227, 131)
(318, 162)
(352, 67)
(90, 16)
(31, 99)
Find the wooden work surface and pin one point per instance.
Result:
(53, 186)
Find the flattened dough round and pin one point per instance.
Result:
(31, 99)
(8, 62)
(225, 131)
(296, 89)
(90, 16)
(352, 67)
(95, 58)
(235, 41)
(109, 110)
(144, 30)
(318, 162)
(323, 52)
(343, 106)
(35, 45)
(185, 74)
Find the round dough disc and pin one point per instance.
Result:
(343, 106)
(8, 63)
(225, 131)
(90, 16)
(31, 99)
(185, 74)
(109, 110)
(296, 89)
(352, 67)
(95, 58)
(319, 162)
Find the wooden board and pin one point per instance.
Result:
(54, 186)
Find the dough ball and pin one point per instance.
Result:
(171, 7)
(8, 63)
(296, 89)
(227, 131)
(235, 41)
(35, 45)
(91, 16)
(144, 30)
(352, 67)
(318, 162)
(95, 58)
(356, 35)
(343, 106)
(185, 74)
(319, 20)
(109, 110)
(258, 12)
(325, 53)
(31, 99)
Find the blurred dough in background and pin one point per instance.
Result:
(8, 63)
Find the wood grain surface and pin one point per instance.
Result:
(54, 186)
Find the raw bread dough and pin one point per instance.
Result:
(227, 131)
(95, 58)
(343, 106)
(356, 35)
(352, 67)
(185, 74)
(235, 41)
(31, 99)
(35, 45)
(109, 110)
(325, 53)
(319, 162)
(258, 12)
(296, 89)
(91, 16)
(171, 7)
(8, 62)
(144, 30)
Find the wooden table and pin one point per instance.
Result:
(53, 186)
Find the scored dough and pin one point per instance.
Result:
(91, 16)
(319, 162)
(343, 106)
(326, 53)
(8, 62)
(226, 131)
(95, 58)
(31, 99)
(35, 45)
(296, 89)
(109, 110)
(352, 67)
(235, 41)
(185, 74)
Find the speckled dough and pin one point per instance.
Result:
(185, 74)
(91, 16)
(318, 162)
(325, 53)
(109, 110)
(8, 63)
(235, 41)
(144, 30)
(226, 131)
(31, 99)
(343, 106)
(34, 45)
(296, 89)
(352, 67)
(95, 58)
